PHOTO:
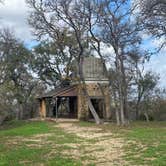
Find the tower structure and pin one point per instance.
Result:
(97, 86)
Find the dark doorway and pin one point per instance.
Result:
(66, 107)
(56, 106)
(98, 104)
(73, 107)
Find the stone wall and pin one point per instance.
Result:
(95, 92)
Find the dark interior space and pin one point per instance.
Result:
(66, 107)
(56, 106)
(99, 107)
(73, 107)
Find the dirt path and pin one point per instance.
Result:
(99, 147)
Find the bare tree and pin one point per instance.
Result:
(94, 23)
(51, 15)
(153, 16)
(110, 22)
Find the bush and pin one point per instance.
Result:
(3, 116)
(143, 117)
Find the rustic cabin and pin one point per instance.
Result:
(69, 101)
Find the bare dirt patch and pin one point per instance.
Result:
(37, 140)
(98, 147)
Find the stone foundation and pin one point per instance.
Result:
(95, 92)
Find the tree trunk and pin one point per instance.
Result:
(140, 93)
(120, 88)
(124, 89)
(102, 91)
(20, 112)
(122, 108)
(117, 116)
(137, 111)
(116, 108)
(146, 116)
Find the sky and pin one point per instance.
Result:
(14, 13)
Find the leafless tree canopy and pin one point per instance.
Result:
(154, 17)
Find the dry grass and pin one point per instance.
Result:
(102, 147)
(73, 143)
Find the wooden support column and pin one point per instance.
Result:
(43, 108)
(107, 103)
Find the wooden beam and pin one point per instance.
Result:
(42, 108)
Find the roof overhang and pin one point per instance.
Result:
(69, 91)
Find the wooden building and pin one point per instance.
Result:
(70, 101)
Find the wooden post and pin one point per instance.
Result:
(42, 108)
(107, 102)
(56, 108)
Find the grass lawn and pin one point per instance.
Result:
(145, 142)
(44, 143)
(149, 146)
(27, 143)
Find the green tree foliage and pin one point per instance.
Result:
(46, 64)
(52, 59)
(16, 81)
(146, 86)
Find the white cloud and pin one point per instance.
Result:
(157, 64)
(13, 14)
